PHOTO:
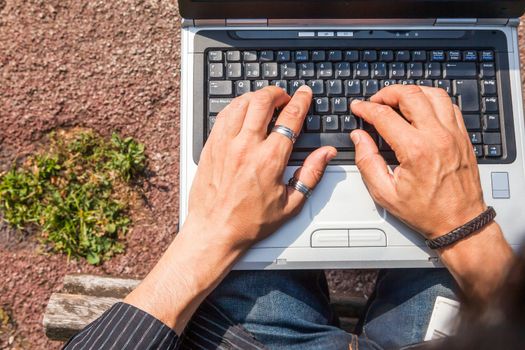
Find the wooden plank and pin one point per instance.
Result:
(67, 314)
(101, 286)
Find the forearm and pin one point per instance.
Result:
(479, 263)
(187, 272)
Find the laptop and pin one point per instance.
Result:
(346, 50)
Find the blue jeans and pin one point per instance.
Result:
(291, 310)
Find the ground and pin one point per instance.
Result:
(110, 66)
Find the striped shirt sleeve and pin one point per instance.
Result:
(124, 327)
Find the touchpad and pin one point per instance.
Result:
(342, 197)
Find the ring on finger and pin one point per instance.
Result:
(299, 186)
(286, 131)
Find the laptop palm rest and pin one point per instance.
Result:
(340, 202)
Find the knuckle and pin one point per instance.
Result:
(439, 92)
(381, 109)
(292, 110)
(412, 90)
(418, 150)
(263, 98)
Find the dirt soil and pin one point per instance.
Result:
(109, 66)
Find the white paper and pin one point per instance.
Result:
(444, 320)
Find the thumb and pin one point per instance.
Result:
(309, 174)
(373, 168)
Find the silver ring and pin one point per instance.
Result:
(299, 186)
(286, 131)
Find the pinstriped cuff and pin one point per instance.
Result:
(124, 327)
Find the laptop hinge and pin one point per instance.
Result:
(236, 22)
(475, 21)
(335, 22)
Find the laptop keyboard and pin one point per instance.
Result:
(339, 76)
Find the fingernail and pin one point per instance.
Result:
(330, 155)
(304, 88)
(356, 101)
(355, 137)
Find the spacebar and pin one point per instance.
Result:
(338, 140)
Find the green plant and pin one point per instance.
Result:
(77, 192)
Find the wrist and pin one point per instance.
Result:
(447, 224)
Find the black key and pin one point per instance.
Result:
(313, 123)
(339, 104)
(491, 122)
(215, 56)
(368, 127)
(233, 70)
(352, 56)
(478, 151)
(387, 82)
(288, 70)
(454, 56)
(342, 70)
(468, 93)
(270, 70)
(352, 87)
(260, 84)
(370, 55)
(488, 87)
(317, 87)
(283, 84)
(487, 56)
(437, 55)
(383, 145)
(324, 70)
(406, 82)
(397, 70)
(415, 70)
(318, 55)
(419, 56)
(330, 123)
(252, 70)
(249, 56)
(335, 55)
(216, 70)
(490, 104)
(445, 85)
(309, 141)
(266, 56)
(386, 55)
(306, 70)
(301, 56)
(433, 70)
(283, 56)
(475, 138)
(349, 123)
(403, 56)
(370, 87)
(425, 82)
(242, 87)
(220, 88)
(211, 122)
(217, 104)
(492, 138)
(454, 100)
(321, 104)
(296, 84)
(460, 70)
(233, 56)
(379, 70)
(492, 150)
(470, 56)
(487, 70)
(472, 122)
(334, 87)
(361, 70)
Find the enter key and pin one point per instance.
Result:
(467, 92)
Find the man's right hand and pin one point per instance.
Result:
(436, 187)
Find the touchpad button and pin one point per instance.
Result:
(342, 197)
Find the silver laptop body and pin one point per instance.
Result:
(340, 226)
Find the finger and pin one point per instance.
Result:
(260, 110)
(442, 105)
(292, 116)
(373, 168)
(229, 121)
(392, 127)
(309, 174)
(410, 101)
